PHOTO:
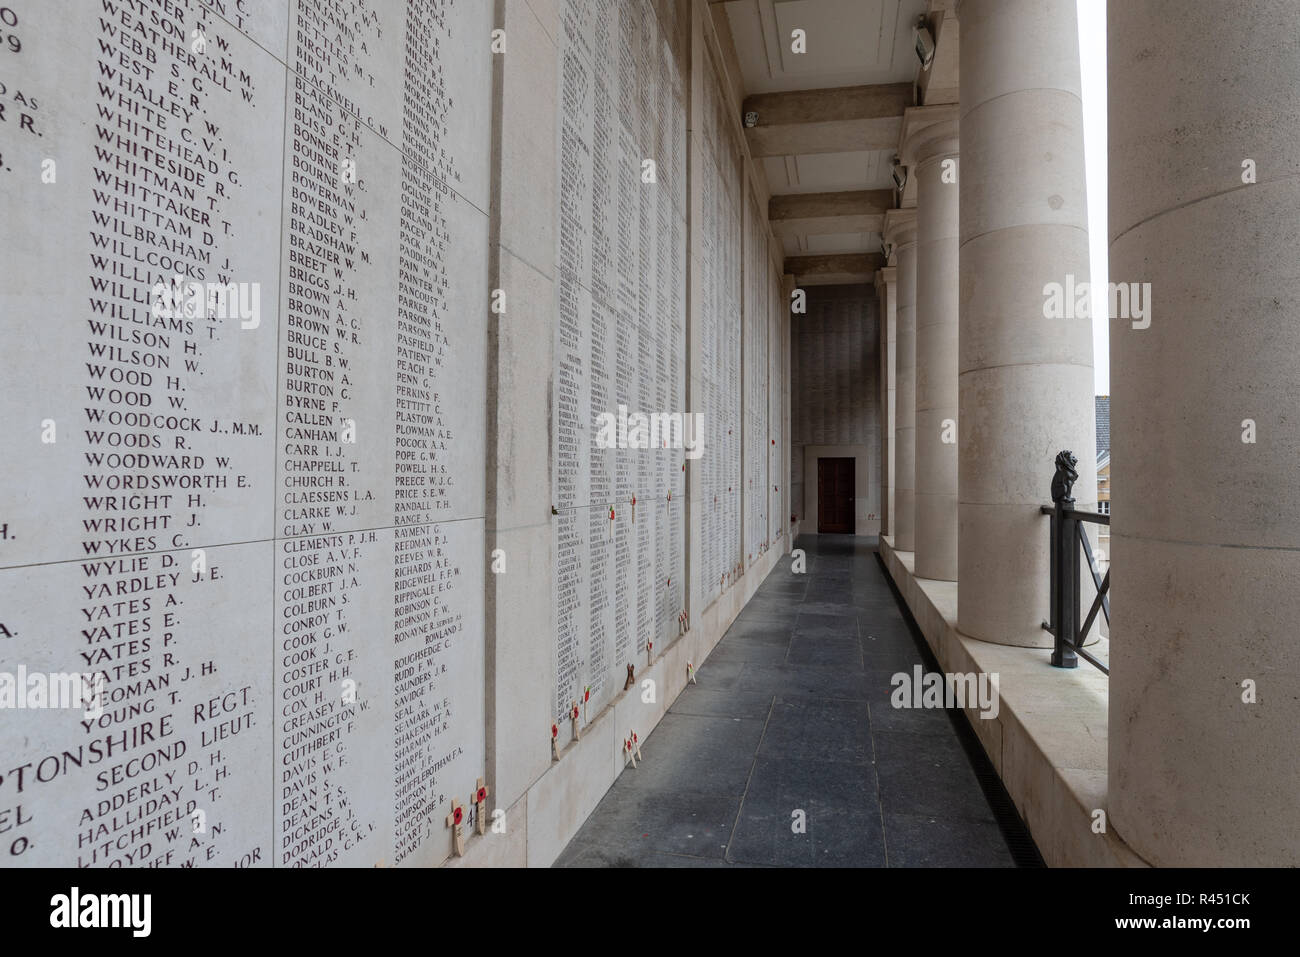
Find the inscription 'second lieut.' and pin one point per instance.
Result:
(259, 524)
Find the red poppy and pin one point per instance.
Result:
(481, 796)
(555, 732)
(456, 816)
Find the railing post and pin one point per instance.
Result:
(1065, 563)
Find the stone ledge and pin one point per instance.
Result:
(1048, 741)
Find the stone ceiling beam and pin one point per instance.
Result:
(814, 214)
(834, 120)
(832, 270)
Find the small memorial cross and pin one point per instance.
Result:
(480, 806)
(455, 820)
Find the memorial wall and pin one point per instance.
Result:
(621, 347)
(620, 351)
(758, 275)
(245, 276)
(249, 263)
(778, 353)
(720, 252)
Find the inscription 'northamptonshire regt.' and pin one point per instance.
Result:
(252, 519)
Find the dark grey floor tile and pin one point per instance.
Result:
(803, 680)
(828, 838)
(780, 783)
(919, 840)
(837, 608)
(826, 626)
(882, 604)
(784, 573)
(758, 630)
(696, 754)
(837, 602)
(885, 629)
(827, 652)
(802, 811)
(876, 657)
(784, 588)
(886, 717)
(744, 650)
(871, 624)
(824, 576)
(769, 610)
(827, 616)
(829, 585)
(595, 855)
(927, 774)
(718, 675)
(833, 729)
(902, 746)
(675, 822)
(731, 704)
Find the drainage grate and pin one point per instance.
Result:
(1019, 841)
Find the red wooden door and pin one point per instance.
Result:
(835, 495)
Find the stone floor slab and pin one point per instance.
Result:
(789, 752)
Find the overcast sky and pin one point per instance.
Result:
(1092, 59)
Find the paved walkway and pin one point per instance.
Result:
(792, 714)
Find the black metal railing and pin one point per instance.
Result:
(1069, 539)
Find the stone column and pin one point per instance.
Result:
(930, 152)
(1203, 768)
(885, 280)
(1025, 382)
(900, 232)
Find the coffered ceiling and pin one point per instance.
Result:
(828, 119)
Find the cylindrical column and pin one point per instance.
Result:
(1204, 767)
(885, 279)
(1025, 381)
(930, 150)
(900, 231)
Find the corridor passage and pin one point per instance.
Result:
(792, 714)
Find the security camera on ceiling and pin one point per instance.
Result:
(899, 172)
(924, 44)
